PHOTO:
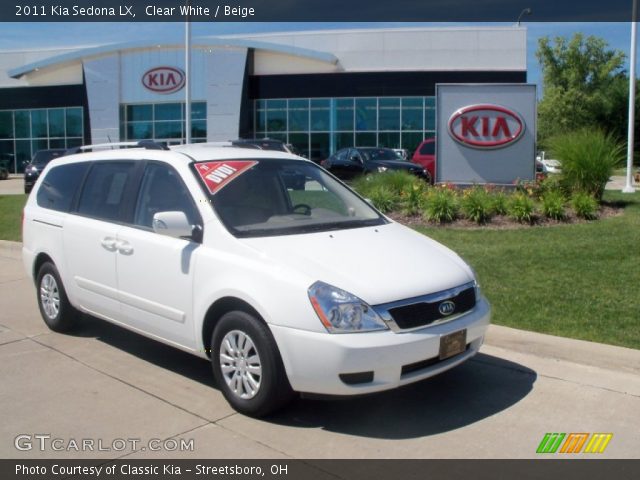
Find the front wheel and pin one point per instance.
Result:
(56, 311)
(247, 365)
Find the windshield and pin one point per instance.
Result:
(42, 157)
(270, 197)
(380, 154)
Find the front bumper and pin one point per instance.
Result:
(314, 361)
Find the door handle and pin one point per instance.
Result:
(109, 243)
(125, 248)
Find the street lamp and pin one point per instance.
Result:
(526, 11)
(628, 188)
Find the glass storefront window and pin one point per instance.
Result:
(56, 123)
(344, 114)
(39, 123)
(366, 114)
(6, 124)
(317, 126)
(389, 114)
(27, 131)
(162, 122)
(74, 122)
(139, 113)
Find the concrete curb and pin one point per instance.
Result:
(11, 249)
(568, 349)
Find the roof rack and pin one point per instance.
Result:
(146, 144)
(223, 144)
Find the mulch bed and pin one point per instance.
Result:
(503, 222)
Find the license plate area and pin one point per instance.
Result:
(453, 344)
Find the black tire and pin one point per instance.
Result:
(27, 190)
(56, 311)
(273, 390)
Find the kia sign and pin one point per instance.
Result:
(485, 126)
(485, 133)
(163, 79)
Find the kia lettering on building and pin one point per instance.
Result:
(163, 79)
(485, 126)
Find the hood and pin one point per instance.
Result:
(395, 164)
(378, 264)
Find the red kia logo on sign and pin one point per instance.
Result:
(485, 126)
(163, 79)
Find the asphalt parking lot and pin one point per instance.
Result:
(104, 383)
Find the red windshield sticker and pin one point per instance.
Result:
(217, 174)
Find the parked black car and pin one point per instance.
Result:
(33, 169)
(351, 162)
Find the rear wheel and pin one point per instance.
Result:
(247, 365)
(53, 303)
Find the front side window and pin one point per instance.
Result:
(162, 190)
(103, 193)
(59, 186)
(271, 197)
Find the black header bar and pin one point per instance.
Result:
(316, 11)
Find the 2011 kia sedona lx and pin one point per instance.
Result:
(261, 261)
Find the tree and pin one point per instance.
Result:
(585, 85)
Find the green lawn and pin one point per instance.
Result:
(580, 281)
(11, 216)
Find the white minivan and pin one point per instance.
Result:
(260, 261)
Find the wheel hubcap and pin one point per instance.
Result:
(50, 296)
(240, 364)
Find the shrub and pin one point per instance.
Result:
(413, 198)
(441, 205)
(588, 158)
(521, 207)
(395, 181)
(499, 203)
(476, 205)
(382, 198)
(585, 205)
(552, 183)
(553, 205)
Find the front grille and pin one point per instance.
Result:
(425, 313)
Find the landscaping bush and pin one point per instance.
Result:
(476, 205)
(441, 205)
(499, 203)
(395, 181)
(553, 205)
(588, 159)
(382, 198)
(521, 208)
(585, 205)
(413, 198)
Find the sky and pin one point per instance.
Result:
(18, 36)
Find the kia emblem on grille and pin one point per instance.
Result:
(446, 308)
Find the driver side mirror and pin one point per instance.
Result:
(176, 224)
(355, 159)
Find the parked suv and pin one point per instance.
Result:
(284, 289)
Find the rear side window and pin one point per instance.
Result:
(59, 186)
(428, 148)
(104, 190)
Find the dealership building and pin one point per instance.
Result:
(317, 90)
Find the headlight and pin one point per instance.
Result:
(342, 312)
(382, 169)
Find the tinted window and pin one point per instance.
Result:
(59, 186)
(428, 148)
(103, 191)
(163, 191)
